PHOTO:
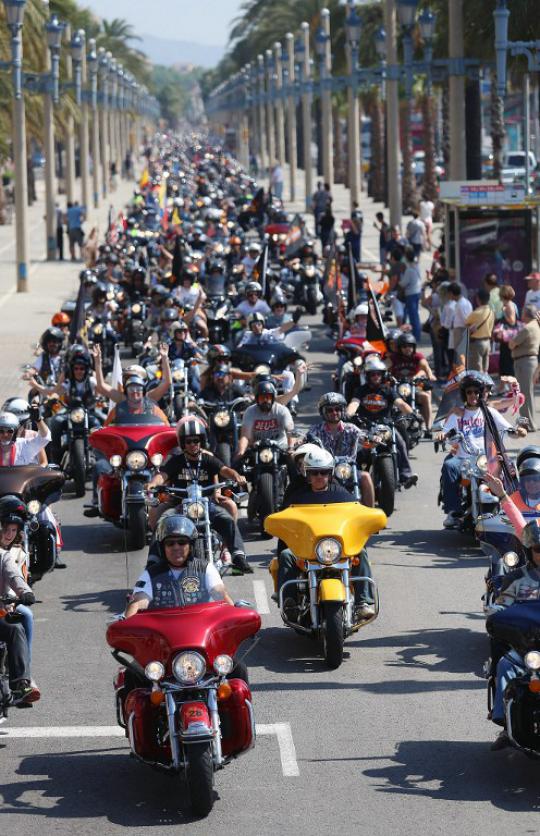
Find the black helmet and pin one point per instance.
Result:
(331, 399)
(87, 275)
(218, 353)
(532, 451)
(159, 290)
(529, 467)
(12, 510)
(18, 407)
(168, 315)
(78, 353)
(406, 339)
(265, 387)
(51, 334)
(175, 526)
(189, 426)
(99, 293)
(472, 380)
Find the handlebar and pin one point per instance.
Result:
(184, 491)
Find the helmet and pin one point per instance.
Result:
(393, 335)
(216, 267)
(135, 371)
(18, 407)
(159, 290)
(303, 449)
(361, 310)
(179, 325)
(374, 364)
(530, 536)
(134, 380)
(406, 339)
(168, 315)
(234, 240)
(331, 399)
(60, 319)
(529, 467)
(175, 526)
(253, 248)
(265, 387)
(51, 334)
(253, 287)
(78, 354)
(12, 510)
(218, 352)
(9, 421)
(255, 317)
(99, 293)
(472, 379)
(532, 451)
(278, 299)
(318, 459)
(188, 426)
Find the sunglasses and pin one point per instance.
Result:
(318, 472)
(176, 542)
(333, 409)
(79, 368)
(5, 431)
(194, 440)
(472, 392)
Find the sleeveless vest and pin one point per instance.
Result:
(188, 589)
(88, 396)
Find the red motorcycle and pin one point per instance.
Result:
(134, 452)
(180, 710)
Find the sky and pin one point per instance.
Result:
(201, 21)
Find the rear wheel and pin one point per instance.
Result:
(332, 633)
(385, 484)
(265, 490)
(200, 777)
(78, 466)
(136, 527)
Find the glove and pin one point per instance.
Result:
(28, 598)
(297, 313)
(35, 413)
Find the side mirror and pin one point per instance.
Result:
(245, 604)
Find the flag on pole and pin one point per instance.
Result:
(145, 179)
(116, 375)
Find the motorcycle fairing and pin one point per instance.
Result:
(30, 481)
(120, 439)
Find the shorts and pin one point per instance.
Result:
(76, 237)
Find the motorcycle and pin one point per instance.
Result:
(183, 713)
(38, 487)
(6, 697)
(277, 355)
(265, 468)
(412, 424)
(223, 421)
(378, 454)
(75, 460)
(135, 452)
(346, 473)
(518, 628)
(134, 328)
(327, 548)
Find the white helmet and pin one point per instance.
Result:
(361, 310)
(374, 364)
(319, 459)
(304, 449)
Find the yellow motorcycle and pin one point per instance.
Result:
(326, 541)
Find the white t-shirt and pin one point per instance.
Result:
(532, 297)
(26, 449)
(144, 584)
(426, 210)
(471, 424)
(260, 306)
(461, 312)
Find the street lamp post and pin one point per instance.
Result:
(54, 30)
(92, 67)
(456, 92)
(280, 126)
(304, 76)
(84, 145)
(103, 77)
(354, 28)
(426, 22)
(270, 128)
(69, 136)
(15, 16)
(322, 44)
(392, 116)
(291, 114)
(262, 114)
(406, 10)
(243, 129)
(113, 151)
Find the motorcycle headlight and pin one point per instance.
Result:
(115, 461)
(77, 415)
(178, 375)
(404, 390)
(263, 368)
(33, 507)
(157, 459)
(510, 560)
(328, 551)
(223, 664)
(98, 329)
(154, 671)
(136, 460)
(136, 309)
(195, 510)
(532, 660)
(189, 667)
(482, 462)
(343, 470)
(222, 418)
(266, 456)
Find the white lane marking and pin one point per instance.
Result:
(287, 751)
(261, 598)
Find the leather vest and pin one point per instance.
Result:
(188, 589)
(88, 397)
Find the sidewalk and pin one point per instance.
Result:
(25, 316)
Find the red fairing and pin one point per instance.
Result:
(160, 634)
(237, 732)
(194, 714)
(277, 229)
(350, 342)
(118, 440)
(162, 443)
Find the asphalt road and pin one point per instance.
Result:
(395, 740)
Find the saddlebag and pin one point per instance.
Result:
(237, 722)
(144, 722)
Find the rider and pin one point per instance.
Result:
(21, 408)
(178, 579)
(319, 467)
(256, 333)
(340, 438)
(135, 402)
(117, 394)
(373, 402)
(182, 347)
(279, 315)
(409, 363)
(471, 423)
(49, 363)
(265, 419)
(253, 302)
(195, 463)
(18, 451)
(222, 386)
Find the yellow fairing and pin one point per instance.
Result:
(302, 526)
(331, 589)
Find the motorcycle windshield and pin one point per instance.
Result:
(31, 481)
(215, 285)
(302, 526)
(117, 440)
(517, 626)
(209, 629)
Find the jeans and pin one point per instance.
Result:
(57, 426)
(17, 648)
(507, 669)
(288, 571)
(102, 466)
(404, 465)
(412, 302)
(27, 621)
(221, 520)
(451, 474)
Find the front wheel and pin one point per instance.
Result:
(265, 491)
(200, 777)
(385, 484)
(311, 301)
(136, 527)
(332, 633)
(78, 466)
(223, 452)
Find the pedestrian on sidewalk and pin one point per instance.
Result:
(320, 200)
(427, 207)
(480, 324)
(416, 234)
(506, 328)
(60, 220)
(532, 297)
(461, 311)
(276, 180)
(354, 233)
(384, 236)
(75, 218)
(492, 285)
(524, 348)
(326, 227)
(411, 283)
(397, 242)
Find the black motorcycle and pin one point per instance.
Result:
(224, 420)
(134, 329)
(346, 473)
(265, 467)
(378, 454)
(75, 456)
